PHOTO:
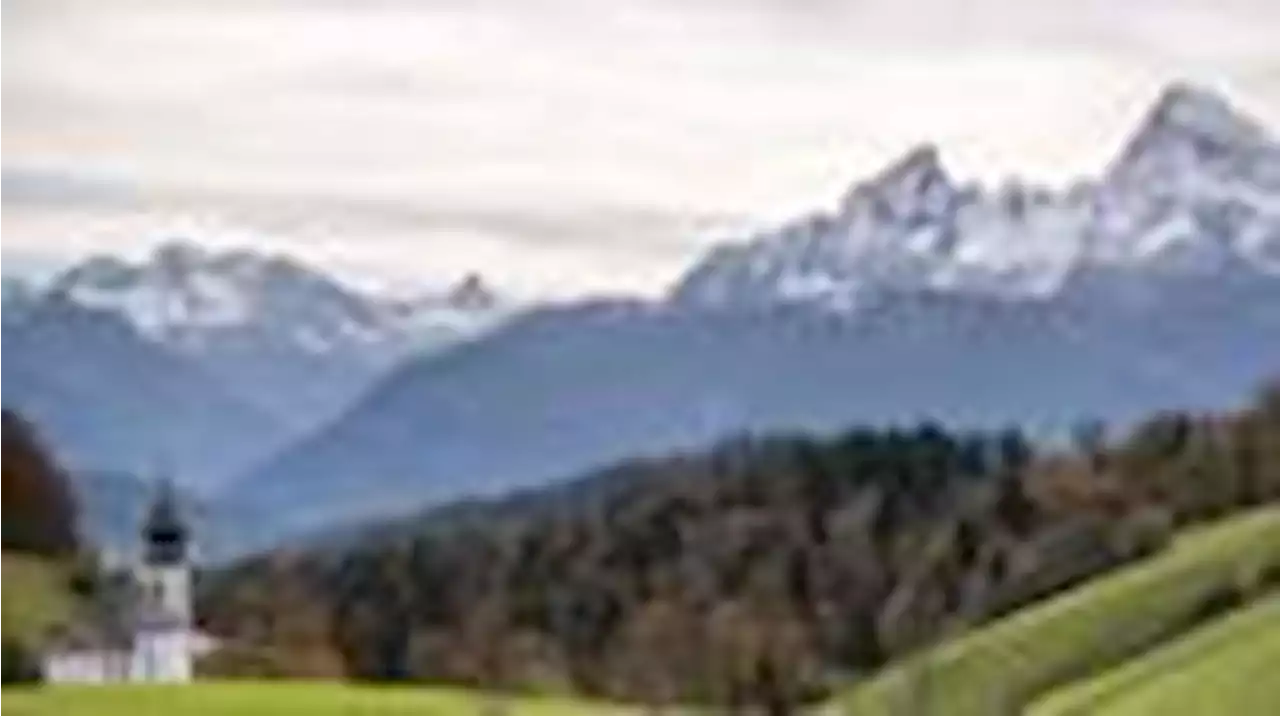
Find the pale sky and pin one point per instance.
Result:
(560, 146)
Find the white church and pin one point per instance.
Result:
(139, 626)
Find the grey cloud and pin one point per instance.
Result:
(32, 187)
(624, 229)
(628, 229)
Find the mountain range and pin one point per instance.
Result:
(201, 362)
(1195, 193)
(283, 335)
(1153, 285)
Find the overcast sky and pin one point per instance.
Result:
(559, 146)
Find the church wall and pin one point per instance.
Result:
(86, 667)
(166, 589)
(163, 656)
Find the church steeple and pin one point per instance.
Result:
(162, 641)
(165, 535)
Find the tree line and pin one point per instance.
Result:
(757, 573)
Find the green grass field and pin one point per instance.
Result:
(34, 597)
(1001, 668)
(263, 698)
(1227, 666)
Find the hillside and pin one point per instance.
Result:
(1096, 627)
(106, 398)
(1225, 667)
(565, 390)
(35, 596)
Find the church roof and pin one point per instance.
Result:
(164, 519)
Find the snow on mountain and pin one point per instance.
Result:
(1196, 191)
(468, 308)
(185, 294)
(289, 337)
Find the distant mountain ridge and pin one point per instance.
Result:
(206, 362)
(280, 333)
(1153, 287)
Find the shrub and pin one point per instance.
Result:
(18, 663)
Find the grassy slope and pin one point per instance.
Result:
(284, 698)
(1002, 667)
(34, 597)
(1224, 667)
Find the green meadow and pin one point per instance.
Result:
(1227, 666)
(261, 698)
(1006, 666)
(34, 597)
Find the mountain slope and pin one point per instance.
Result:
(918, 299)
(113, 506)
(561, 391)
(108, 399)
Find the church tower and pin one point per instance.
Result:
(163, 637)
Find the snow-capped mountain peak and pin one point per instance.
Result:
(193, 297)
(300, 342)
(915, 189)
(467, 308)
(1195, 191)
(1190, 134)
(1188, 113)
(154, 296)
(181, 290)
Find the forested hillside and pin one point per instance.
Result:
(39, 506)
(762, 571)
(41, 546)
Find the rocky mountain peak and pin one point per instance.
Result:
(913, 188)
(1190, 128)
(471, 293)
(1196, 191)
